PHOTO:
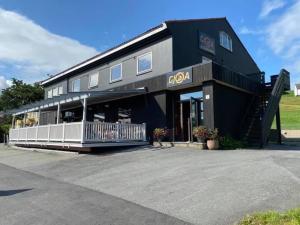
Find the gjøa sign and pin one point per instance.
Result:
(179, 77)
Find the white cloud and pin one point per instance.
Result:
(269, 6)
(283, 37)
(4, 83)
(32, 50)
(246, 30)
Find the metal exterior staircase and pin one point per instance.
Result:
(273, 104)
(257, 122)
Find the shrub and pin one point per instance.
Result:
(200, 132)
(213, 134)
(159, 133)
(228, 143)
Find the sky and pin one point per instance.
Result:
(41, 38)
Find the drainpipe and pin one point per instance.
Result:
(58, 113)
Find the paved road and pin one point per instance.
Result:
(29, 199)
(200, 187)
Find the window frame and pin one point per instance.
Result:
(50, 91)
(55, 90)
(60, 90)
(90, 76)
(121, 73)
(222, 35)
(73, 82)
(137, 63)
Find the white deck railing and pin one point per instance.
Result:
(80, 132)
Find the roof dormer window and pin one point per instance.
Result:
(225, 41)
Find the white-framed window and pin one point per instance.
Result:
(93, 80)
(49, 94)
(225, 41)
(60, 90)
(116, 72)
(55, 91)
(76, 85)
(144, 63)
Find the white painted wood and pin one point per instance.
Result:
(63, 132)
(49, 128)
(80, 132)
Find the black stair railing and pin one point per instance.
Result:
(273, 104)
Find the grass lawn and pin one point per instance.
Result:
(289, 112)
(291, 217)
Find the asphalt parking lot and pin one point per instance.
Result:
(145, 186)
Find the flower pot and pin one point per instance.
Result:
(212, 144)
(200, 140)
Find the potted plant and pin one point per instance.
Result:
(200, 133)
(159, 134)
(213, 139)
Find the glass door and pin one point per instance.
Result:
(191, 114)
(195, 115)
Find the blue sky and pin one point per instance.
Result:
(44, 37)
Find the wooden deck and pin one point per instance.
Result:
(80, 135)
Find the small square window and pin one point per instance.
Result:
(76, 85)
(55, 91)
(144, 63)
(116, 73)
(93, 82)
(49, 95)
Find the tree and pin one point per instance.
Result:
(20, 93)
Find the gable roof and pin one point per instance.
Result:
(297, 86)
(108, 52)
(139, 38)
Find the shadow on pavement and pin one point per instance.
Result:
(13, 192)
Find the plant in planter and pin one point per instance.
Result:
(159, 134)
(200, 133)
(213, 139)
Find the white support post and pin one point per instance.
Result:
(84, 109)
(49, 129)
(63, 132)
(18, 134)
(144, 132)
(36, 133)
(83, 120)
(58, 113)
(39, 116)
(26, 134)
(82, 132)
(13, 122)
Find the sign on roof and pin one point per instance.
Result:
(206, 43)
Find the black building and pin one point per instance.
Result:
(178, 75)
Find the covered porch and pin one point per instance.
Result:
(53, 126)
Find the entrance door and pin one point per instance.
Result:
(190, 114)
(195, 115)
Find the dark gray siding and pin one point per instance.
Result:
(186, 51)
(161, 63)
(229, 108)
(63, 83)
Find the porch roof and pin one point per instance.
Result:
(98, 96)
